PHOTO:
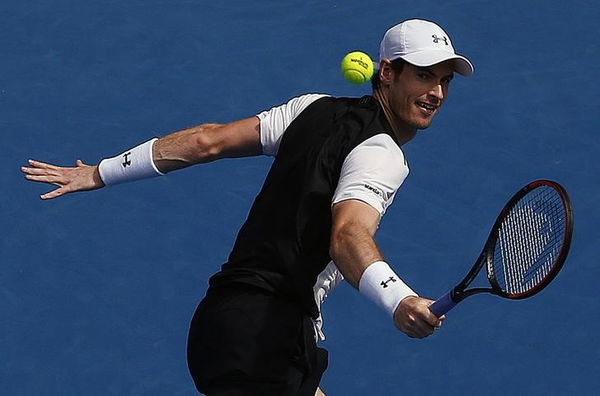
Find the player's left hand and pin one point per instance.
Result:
(413, 317)
(80, 178)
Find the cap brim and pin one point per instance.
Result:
(429, 58)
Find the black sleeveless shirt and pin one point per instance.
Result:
(284, 243)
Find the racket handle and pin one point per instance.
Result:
(442, 304)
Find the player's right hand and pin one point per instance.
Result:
(413, 317)
(80, 178)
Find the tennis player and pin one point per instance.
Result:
(338, 164)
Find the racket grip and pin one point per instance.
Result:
(442, 304)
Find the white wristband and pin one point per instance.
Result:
(134, 164)
(380, 284)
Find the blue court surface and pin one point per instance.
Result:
(97, 289)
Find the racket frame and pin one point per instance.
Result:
(460, 291)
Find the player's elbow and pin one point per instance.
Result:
(206, 143)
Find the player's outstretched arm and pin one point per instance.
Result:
(355, 252)
(199, 144)
(206, 143)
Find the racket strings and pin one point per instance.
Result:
(529, 241)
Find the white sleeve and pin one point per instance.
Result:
(327, 280)
(372, 173)
(275, 121)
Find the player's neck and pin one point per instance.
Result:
(404, 133)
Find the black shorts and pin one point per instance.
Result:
(245, 341)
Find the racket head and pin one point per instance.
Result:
(530, 240)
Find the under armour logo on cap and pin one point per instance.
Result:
(437, 39)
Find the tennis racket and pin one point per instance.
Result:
(527, 246)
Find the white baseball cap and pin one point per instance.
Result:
(421, 43)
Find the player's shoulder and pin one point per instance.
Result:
(325, 99)
(303, 101)
(363, 101)
(384, 151)
(340, 106)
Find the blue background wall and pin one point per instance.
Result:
(97, 289)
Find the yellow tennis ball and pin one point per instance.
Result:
(357, 67)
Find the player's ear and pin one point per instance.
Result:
(386, 73)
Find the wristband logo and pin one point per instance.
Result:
(126, 161)
(385, 284)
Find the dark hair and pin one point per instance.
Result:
(397, 66)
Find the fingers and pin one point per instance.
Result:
(53, 194)
(430, 323)
(420, 329)
(37, 168)
(43, 174)
(42, 165)
(438, 324)
(433, 320)
(46, 173)
(82, 177)
(34, 171)
(414, 318)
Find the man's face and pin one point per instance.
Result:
(417, 93)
